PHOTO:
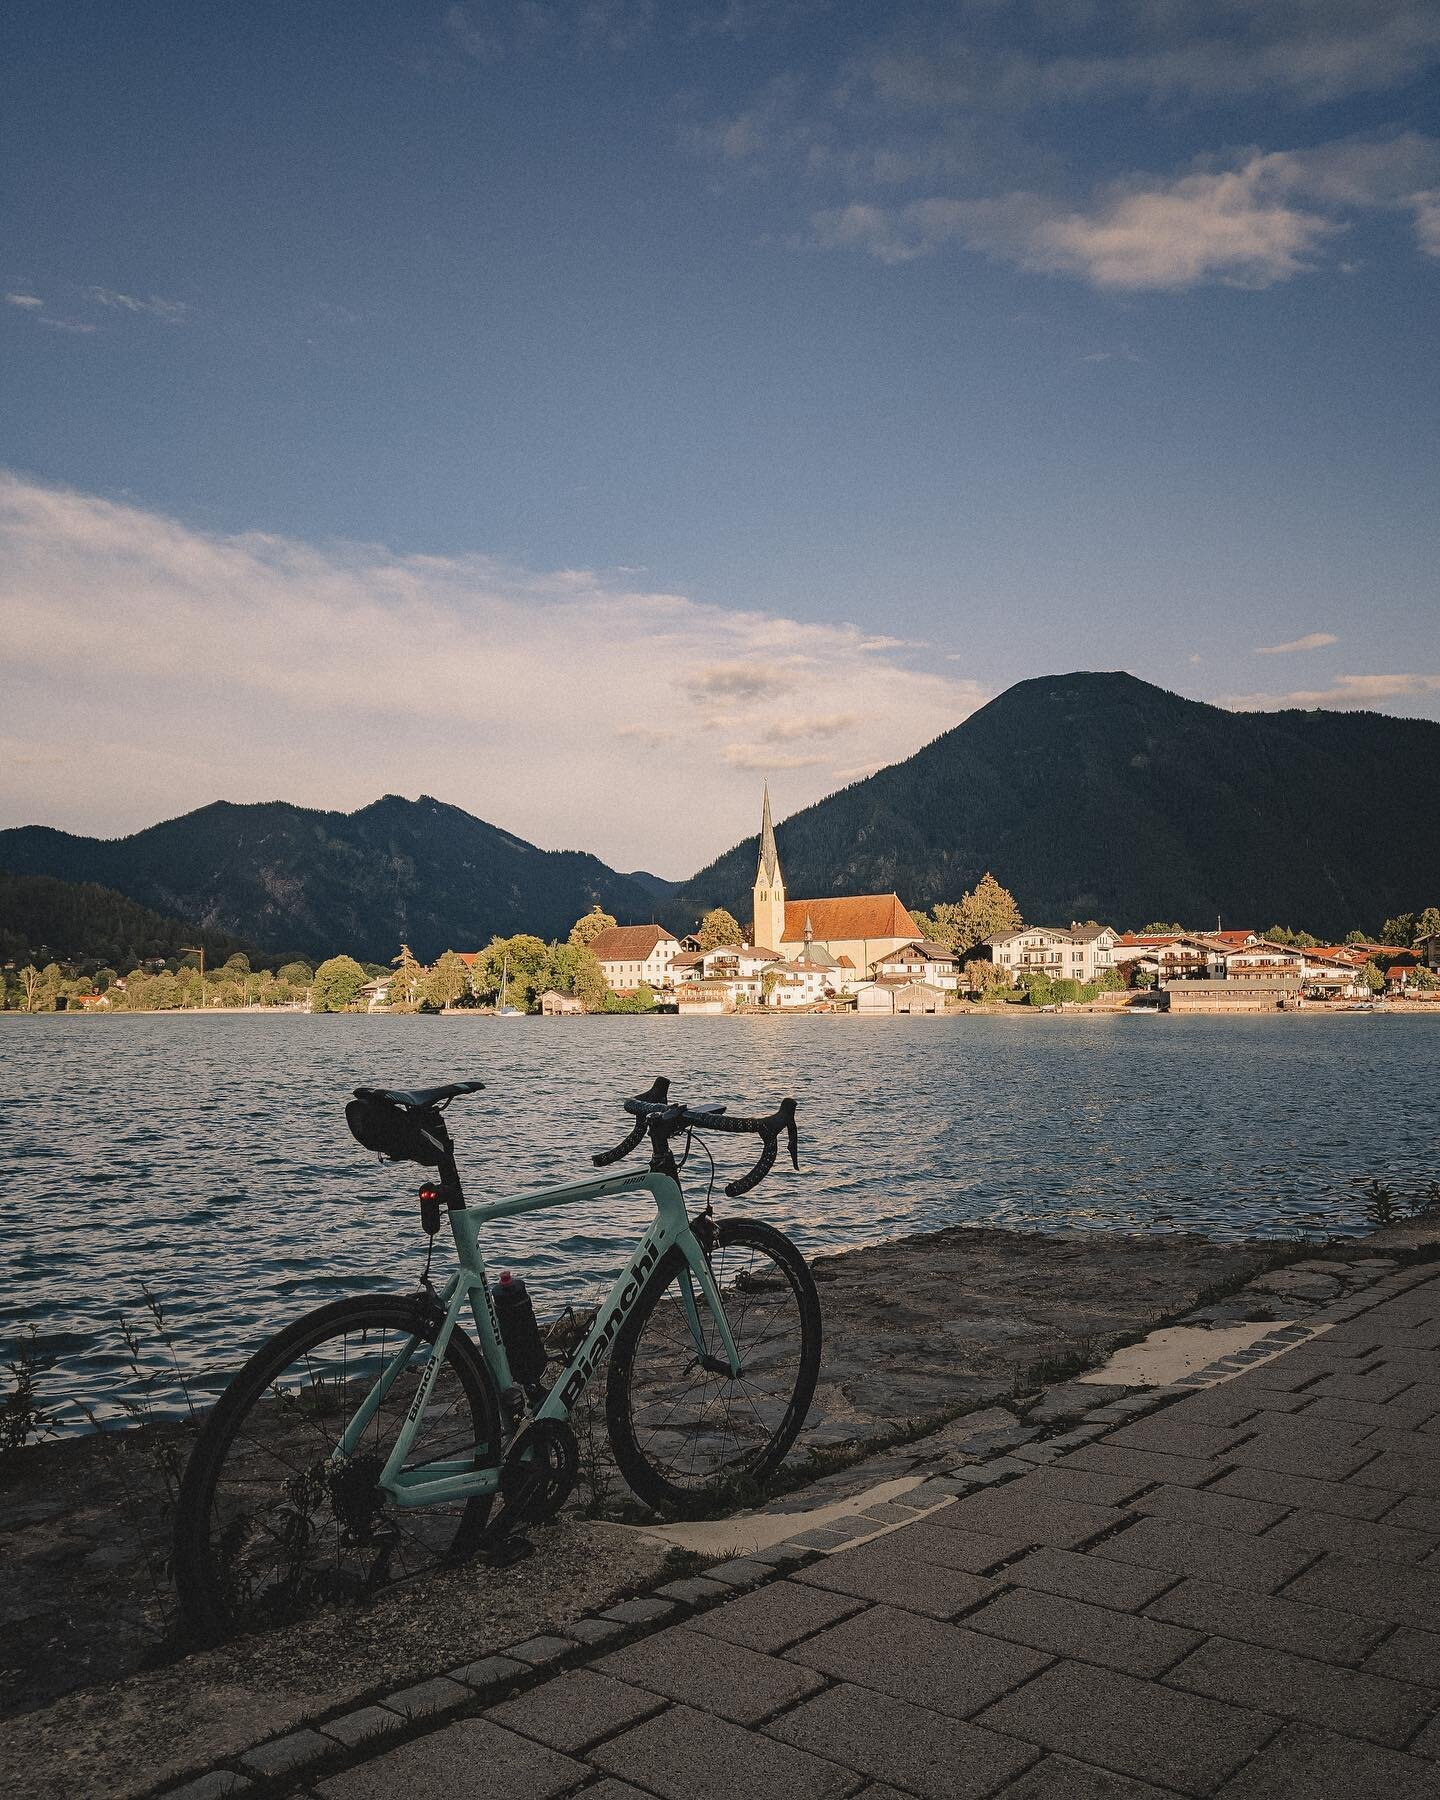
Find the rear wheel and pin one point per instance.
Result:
(270, 1525)
(683, 1431)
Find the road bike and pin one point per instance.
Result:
(369, 1441)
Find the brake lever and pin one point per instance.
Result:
(792, 1136)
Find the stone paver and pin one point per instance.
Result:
(293, 1751)
(1305, 1764)
(1233, 1595)
(576, 1710)
(1061, 1778)
(1251, 1618)
(1090, 1578)
(741, 1685)
(944, 1667)
(1273, 1681)
(475, 1758)
(777, 1616)
(879, 1572)
(935, 1757)
(438, 1694)
(1135, 1727)
(1086, 1633)
(685, 1755)
(1208, 1551)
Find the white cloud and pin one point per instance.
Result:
(1260, 222)
(1347, 693)
(1304, 52)
(82, 327)
(173, 312)
(1313, 640)
(27, 300)
(171, 667)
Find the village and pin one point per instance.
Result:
(866, 953)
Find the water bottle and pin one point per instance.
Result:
(518, 1330)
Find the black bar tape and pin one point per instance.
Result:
(762, 1168)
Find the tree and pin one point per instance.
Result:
(298, 974)
(447, 981)
(30, 986)
(337, 984)
(1372, 978)
(405, 982)
(574, 970)
(982, 913)
(719, 927)
(528, 959)
(584, 931)
(1427, 924)
(1159, 928)
(1356, 937)
(1399, 931)
(238, 964)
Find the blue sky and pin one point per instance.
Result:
(466, 397)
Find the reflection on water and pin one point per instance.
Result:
(209, 1156)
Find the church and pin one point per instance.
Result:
(848, 933)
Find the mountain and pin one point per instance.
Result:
(654, 884)
(45, 920)
(1098, 796)
(316, 883)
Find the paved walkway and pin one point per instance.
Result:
(1237, 1595)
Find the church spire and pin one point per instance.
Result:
(769, 869)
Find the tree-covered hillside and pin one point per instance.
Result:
(43, 920)
(1100, 796)
(292, 879)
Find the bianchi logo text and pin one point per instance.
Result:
(599, 1342)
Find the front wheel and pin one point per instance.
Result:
(273, 1522)
(683, 1431)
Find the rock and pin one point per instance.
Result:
(1292, 1284)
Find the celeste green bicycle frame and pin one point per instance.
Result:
(457, 1478)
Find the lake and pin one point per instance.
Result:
(209, 1156)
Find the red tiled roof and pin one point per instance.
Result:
(853, 916)
(628, 943)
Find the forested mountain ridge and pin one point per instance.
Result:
(300, 881)
(44, 919)
(1101, 796)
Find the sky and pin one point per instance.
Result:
(583, 410)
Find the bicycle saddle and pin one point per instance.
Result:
(419, 1097)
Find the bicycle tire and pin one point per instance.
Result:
(207, 1602)
(647, 1479)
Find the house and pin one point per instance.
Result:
(1171, 955)
(1428, 950)
(631, 954)
(1082, 953)
(1261, 992)
(1263, 958)
(800, 982)
(889, 997)
(704, 997)
(862, 927)
(936, 964)
(554, 1004)
(376, 994)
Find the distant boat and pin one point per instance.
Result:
(502, 1011)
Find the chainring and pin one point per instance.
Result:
(537, 1476)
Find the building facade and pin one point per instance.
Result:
(1083, 953)
(631, 954)
(860, 927)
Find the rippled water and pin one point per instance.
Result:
(209, 1155)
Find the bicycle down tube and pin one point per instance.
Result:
(457, 1478)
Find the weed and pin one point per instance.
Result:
(1380, 1207)
(23, 1419)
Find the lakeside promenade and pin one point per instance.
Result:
(1235, 1593)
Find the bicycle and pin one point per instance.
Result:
(367, 1442)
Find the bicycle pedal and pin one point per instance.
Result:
(507, 1551)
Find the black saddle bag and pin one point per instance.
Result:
(397, 1132)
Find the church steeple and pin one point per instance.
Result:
(769, 895)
